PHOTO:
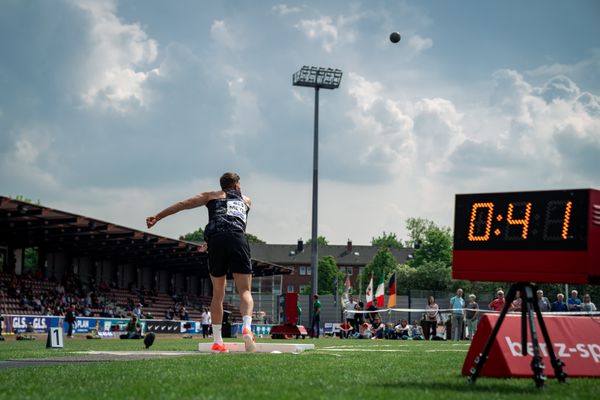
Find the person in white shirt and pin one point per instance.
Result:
(206, 321)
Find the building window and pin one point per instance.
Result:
(308, 270)
(290, 289)
(302, 270)
(301, 289)
(347, 270)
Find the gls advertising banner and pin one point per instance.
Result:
(31, 324)
(575, 340)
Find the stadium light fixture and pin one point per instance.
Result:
(318, 78)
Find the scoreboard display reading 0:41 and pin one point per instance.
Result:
(541, 236)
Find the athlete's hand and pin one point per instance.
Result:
(151, 221)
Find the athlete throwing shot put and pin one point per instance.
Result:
(228, 250)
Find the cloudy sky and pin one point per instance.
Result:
(116, 109)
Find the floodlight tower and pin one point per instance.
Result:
(326, 78)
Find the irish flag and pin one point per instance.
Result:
(380, 292)
(370, 292)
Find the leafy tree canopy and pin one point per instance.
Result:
(387, 240)
(383, 264)
(196, 236)
(321, 241)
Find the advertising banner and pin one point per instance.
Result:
(257, 329)
(160, 326)
(575, 340)
(29, 323)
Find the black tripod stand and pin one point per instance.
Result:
(529, 306)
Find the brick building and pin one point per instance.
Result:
(349, 258)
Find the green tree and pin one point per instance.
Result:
(321, 241)
(20, 197)
(386, 240)
(432, 275)
(30, 261)
(383, 263)
(405, 275)
(254, 239)
(416, 228)
(196, 236)
(435, 244)
(328, 272)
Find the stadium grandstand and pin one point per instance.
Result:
(50, 259)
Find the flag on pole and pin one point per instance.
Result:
(347, 289)
(392, 286)
(369, 294)
(380, 292)
(348, 284)
(335, 290)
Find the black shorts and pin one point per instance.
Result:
(229, 253)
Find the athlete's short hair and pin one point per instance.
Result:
(228, 180)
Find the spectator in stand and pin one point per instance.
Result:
(587, 304)
(70, 321)
(472, 316)
(345, 330)
(416, 331)
(349, 308)
(559, 305)
(431, 318)
(498, 303)
(517, 304)
(377, 328)
(574, 303)
(371, 316)
(103, 287)
(402, 330)
(543, 302)
(206, 321)
(134, 329)
(359, 317)
(364, 332)
(137, 311)
(457, 303)
(315, 326)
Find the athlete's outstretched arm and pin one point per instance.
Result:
(193, 202)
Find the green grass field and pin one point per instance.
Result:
(337, 369)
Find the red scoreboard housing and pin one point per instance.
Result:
(540, 236)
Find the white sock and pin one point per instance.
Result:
(247, 322)
(217, 338)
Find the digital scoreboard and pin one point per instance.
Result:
(542, 236)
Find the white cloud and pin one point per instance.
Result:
(588, 65)
(329, 31)
(419, 43)
(220, 33)
(246, 119)
(27, 161)
(117, 65)
(284, 9)
(559, 88)
(546, 134)
(322, 29)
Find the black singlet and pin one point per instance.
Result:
(226, 215)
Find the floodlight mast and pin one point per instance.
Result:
(326, 78)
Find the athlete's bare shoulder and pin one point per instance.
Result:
(217, 194)
(248, 201)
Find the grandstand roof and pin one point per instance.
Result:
(24, 224)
